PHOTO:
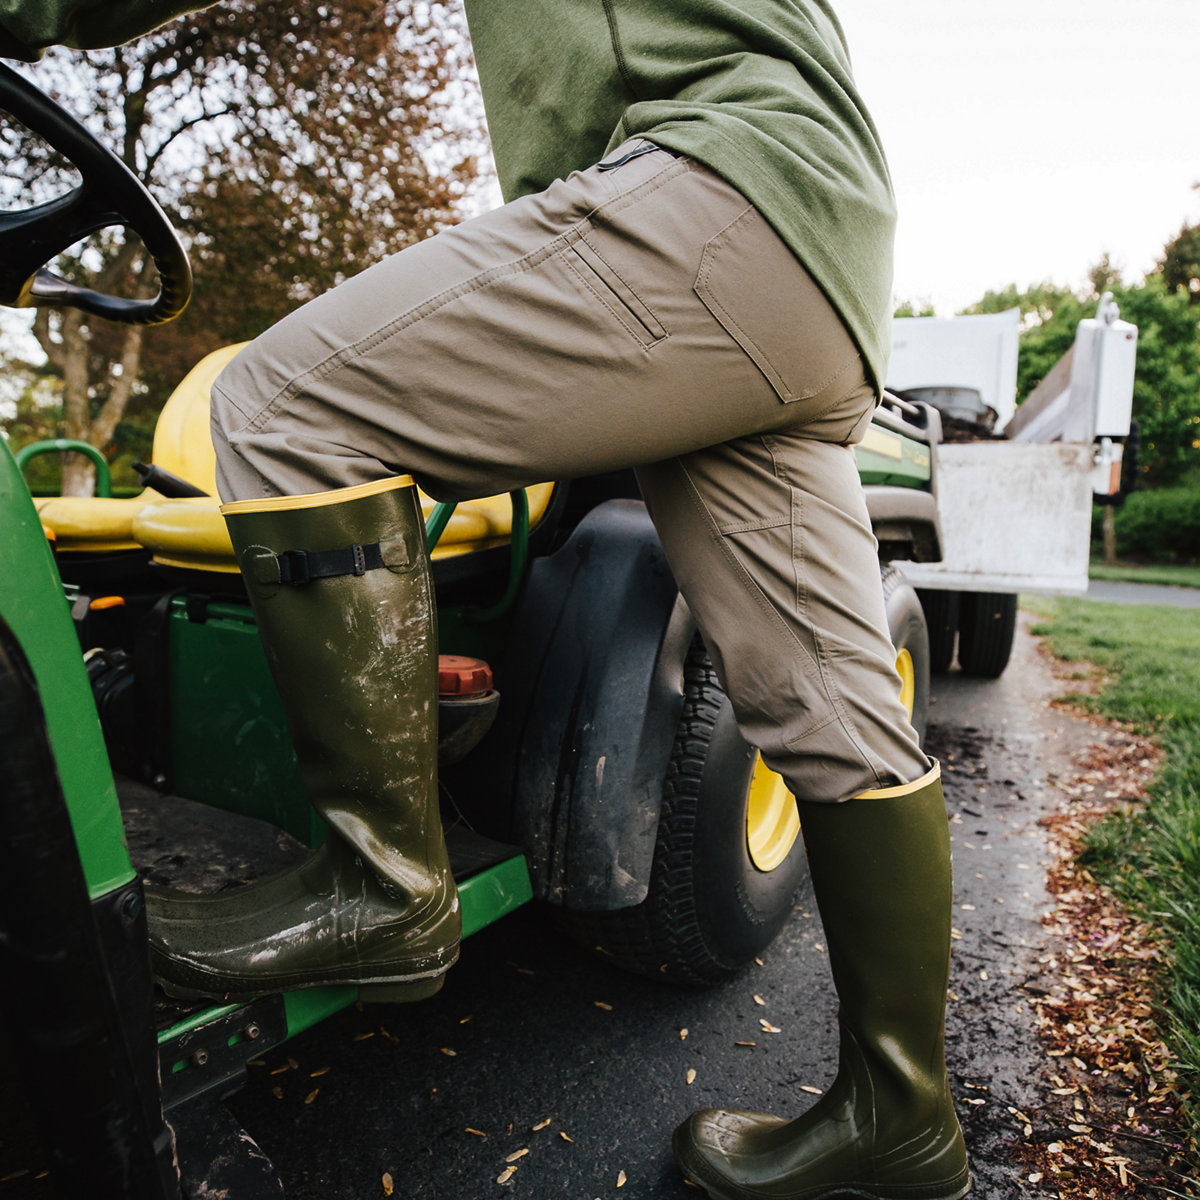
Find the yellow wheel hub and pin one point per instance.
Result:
(908, 680)
(772, 821)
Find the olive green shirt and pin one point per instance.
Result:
(759, 91)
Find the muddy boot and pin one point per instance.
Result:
(339, 583)
(886, 1128)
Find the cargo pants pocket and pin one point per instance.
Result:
(584, 255)
(769, 304)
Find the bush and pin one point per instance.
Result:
(1157, 526)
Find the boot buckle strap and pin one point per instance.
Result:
(298, 567)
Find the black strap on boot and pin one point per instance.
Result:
(297, 567)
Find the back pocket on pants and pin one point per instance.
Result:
(769, 304)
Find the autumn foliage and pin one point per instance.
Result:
(292, 145)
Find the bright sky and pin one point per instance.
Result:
(1026, 139)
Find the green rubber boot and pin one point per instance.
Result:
(339, 583)
(886, 1129)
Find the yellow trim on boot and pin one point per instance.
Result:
(317, 499)
(903, 789)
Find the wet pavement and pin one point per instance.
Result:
(1115, 592)
(530, 1030)
(536, 1046)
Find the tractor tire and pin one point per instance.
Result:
(986, 626)
(941, 621)
(910, 636)
(710, 911)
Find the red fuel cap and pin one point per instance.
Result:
(462, 676)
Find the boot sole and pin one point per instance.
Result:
(378, 990)
(951, 1189)
(849, 1192)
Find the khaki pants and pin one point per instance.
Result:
(639, 313)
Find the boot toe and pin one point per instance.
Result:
(712, 1145)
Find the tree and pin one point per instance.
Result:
(1180, 263)
(294, 146)
(1166, 391)
(914, 308)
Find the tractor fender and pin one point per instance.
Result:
(593, 691)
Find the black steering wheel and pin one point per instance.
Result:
(110, 194)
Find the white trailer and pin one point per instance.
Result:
(1014, 506)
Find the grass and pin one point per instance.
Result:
(1166, 574)
(1150, 857)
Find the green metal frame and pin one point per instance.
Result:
(890, 458)
(35, 608)
(71, 446)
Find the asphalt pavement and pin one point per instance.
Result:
(540, 1057)
(535, 1048)
(1142, 593)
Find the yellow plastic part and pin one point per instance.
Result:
(908, 680)
(91, 522)
(772, 819)
(191, 532)
(182, 439)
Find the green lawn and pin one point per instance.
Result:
(1151, 857)
(1171, 576)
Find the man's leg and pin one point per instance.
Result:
(770, 539)
(591, 327)
(643, 316)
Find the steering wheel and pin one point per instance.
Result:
(109, 194)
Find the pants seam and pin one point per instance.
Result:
(828, 682)
(759, 598)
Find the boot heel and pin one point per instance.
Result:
(400, 993)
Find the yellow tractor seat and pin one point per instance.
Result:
(190, 532)
(182, 445)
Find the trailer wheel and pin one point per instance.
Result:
(727, 861)
(941, 621)
(910, 636)
(986, 625)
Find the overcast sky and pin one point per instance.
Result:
(1026, 139)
